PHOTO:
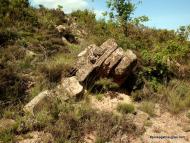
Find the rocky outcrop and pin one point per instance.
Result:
(94, 62)
(107, 61)
(69, 88)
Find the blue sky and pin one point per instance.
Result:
(165, 14)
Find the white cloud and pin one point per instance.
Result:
(68, 5)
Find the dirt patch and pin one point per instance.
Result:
(167, 128)
(110, 101)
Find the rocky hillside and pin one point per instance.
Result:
(72, 78)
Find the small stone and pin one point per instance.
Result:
(72, 86)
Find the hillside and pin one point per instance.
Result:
(69, 78)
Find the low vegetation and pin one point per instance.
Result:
(176, 96)
(125, 108)
(147, 107)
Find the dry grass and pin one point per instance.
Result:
(176, 96)
(147, 107)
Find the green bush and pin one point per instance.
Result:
(106, 84)
(125, 108)
(99, 97)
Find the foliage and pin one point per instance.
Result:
(7, 136)
(122, 11)
(106, 84)
(99, 97)
(184, 32)
(125, 108)
(123, 8)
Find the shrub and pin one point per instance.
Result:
(125, 108)
(99, 97)
(147, 107)
(7, 36)
(43, 118)
(176, 96)
(138, 95)
(7, 136)
(13, 86)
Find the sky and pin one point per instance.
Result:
(163, 14)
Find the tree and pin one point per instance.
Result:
(184, 32)
(122, 11)
(59, 7)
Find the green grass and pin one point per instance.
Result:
(99, 97)
(125, 108)
(7, 136)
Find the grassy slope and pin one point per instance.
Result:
(33, 58)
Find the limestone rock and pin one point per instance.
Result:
(72, 87)
(112, 60)
(109, 47)
(61, 28)
(85, 62)
(105, 61)
(39, 102)
(125, 67)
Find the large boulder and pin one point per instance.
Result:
(72, 87)
(40, 102)
(105, 61)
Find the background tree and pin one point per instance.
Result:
(122, 11)
(184, 32)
